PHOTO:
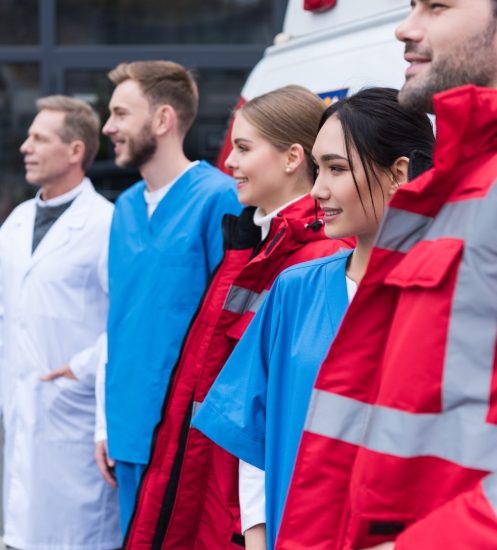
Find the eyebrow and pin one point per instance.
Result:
(238, 140)
(114, 108)
(332, 156)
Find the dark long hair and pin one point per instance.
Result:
(381, 131)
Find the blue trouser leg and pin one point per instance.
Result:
(128, 479)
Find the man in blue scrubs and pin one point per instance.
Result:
(165, 243)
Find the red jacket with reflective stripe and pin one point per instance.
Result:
(401, 435)
(189, 493)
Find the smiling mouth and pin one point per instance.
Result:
(241, 181)
(331, 213)
(415, 61)
(118, 143)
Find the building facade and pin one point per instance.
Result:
(67, 46)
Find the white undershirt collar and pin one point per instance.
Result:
(61, 199)
(264, 220)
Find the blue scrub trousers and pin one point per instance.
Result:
(128, 480)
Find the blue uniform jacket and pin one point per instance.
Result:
(158, 270)
(256, 409)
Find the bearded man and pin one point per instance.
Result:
(400, 447)
(165, 244)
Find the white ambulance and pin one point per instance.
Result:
(345, 47)
(334, 50)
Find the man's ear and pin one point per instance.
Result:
(294, 158)
(398, 173)
(165, 118)
(77, 151)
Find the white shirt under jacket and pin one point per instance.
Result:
(54, 308)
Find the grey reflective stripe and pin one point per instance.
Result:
(401, 230)
(337, 417)
(195, 406)
(455, 220)
(490, 489)
(473, 318)
(240, 300)
(400, 433)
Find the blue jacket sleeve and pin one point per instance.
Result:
(233, 414)
(225, 203)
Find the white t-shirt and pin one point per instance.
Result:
(153, 198)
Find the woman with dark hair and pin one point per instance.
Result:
(257, 406)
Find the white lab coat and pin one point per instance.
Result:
(54, 311)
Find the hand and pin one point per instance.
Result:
(384, 546)
(255, 537)
(63, 372)
(105, 464)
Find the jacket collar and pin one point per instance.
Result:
(296, 219)
(466, 125)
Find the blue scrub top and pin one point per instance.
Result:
(257, 407)
(158, 271)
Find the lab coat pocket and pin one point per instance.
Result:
(62, 292)
(69, 411)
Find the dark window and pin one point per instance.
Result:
(19, 22)
(164, 22)
(19, 89)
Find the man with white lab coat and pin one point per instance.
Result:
(53, 259)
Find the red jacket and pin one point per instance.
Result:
(189, 493)
(401, 436)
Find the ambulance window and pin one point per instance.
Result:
(164, 22)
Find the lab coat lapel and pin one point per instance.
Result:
(59, 235)
(24, 236)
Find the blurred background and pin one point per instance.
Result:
(67, 46)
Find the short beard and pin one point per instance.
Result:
(473, 62)
(141, 148)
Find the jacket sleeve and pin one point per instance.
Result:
(233, 414)
(467, 521)
(220, 204)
